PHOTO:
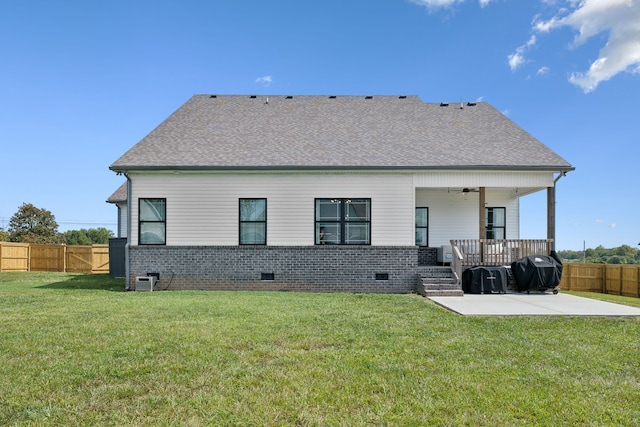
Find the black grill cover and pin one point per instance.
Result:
(478, 280)
(537, 272)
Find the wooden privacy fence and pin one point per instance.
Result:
(617, 279)
(62, 258)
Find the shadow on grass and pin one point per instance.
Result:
(96, 282)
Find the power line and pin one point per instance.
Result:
(87, 223)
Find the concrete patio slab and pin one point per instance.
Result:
(534, 304)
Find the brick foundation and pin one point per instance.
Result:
(427, 255)
(294, 268)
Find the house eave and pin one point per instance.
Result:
(122, 169)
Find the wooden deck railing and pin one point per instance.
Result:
(472, 252)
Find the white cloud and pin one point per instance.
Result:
(435, 4)
(264, 80)
(543, 71)
(517, 59)
(620, 19)
(443, 4)
(599, 220)
(613, 225)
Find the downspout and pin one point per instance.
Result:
(126, 246)
(551, 212)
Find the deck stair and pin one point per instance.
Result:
(438, 282)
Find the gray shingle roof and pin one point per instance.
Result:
(243, 132)
(120, 195)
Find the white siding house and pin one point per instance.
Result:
(357, 169)
(202, 208)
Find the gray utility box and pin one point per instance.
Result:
(145, 283)
(444, 254)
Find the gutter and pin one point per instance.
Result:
(562, 169)
(551, 209)
(126, 246)
(562, 173)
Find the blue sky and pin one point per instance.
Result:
(82, 81)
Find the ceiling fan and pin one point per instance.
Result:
(466, 191)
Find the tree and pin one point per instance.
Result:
(33, 225)
(76, 237)
(624, 254)
(625, 251)
(89, 236)
(4, 236)
(100, 235)
(616, 259)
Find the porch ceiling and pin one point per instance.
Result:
(512, 192)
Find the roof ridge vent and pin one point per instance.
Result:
(288, 97)
(253, 96)
(402, 97)
(368, 97)
(332, 97)
(444, 104)
(471, 104)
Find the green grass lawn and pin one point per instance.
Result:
(77, 350)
